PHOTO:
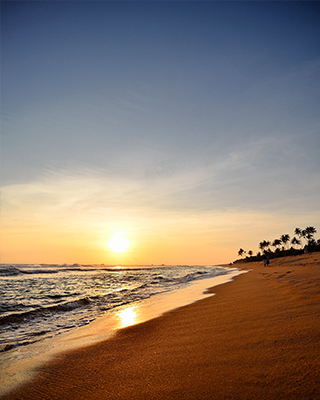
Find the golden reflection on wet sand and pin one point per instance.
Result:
(127, 316)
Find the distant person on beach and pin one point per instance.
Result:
(306, 249)
(265, 260)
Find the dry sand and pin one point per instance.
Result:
(258, 338)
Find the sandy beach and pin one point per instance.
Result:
(257, 338)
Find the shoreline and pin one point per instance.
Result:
(258, 337)
(20, 365)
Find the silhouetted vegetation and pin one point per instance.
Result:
(284, 246)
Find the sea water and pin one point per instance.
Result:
(49, 309)
(41, 301)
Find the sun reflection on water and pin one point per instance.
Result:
(127, 316)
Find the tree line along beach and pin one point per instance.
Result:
(302, 241)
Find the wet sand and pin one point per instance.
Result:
(258, 338)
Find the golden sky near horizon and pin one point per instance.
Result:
(75, 229)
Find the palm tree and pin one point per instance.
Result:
(276, 243)
(310, 231)
(285, 238)
(264, 244)
(304, 234)
(298, 232)
(241, 252)
(295, 241)
(250, 253)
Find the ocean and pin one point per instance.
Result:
(49, 309)
(41, 301)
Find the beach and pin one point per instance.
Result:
(257, 338)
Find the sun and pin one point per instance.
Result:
(118, 244)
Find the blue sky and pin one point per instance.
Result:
(158, 117)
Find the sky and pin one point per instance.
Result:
(189, 128)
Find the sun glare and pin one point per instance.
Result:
(118, 244)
